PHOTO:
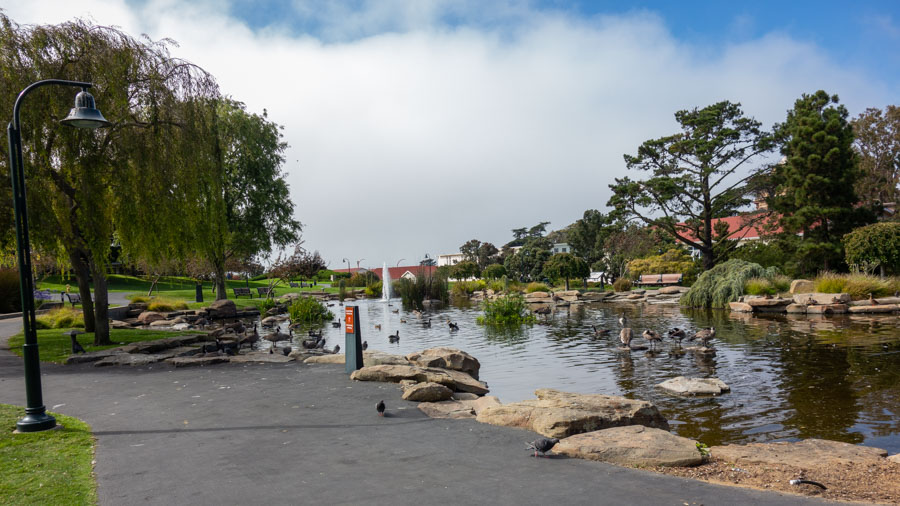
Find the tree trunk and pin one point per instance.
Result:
(567, 284)
(220, 282)
(101, 307)
(83, 273)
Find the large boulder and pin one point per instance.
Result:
(129, 359)
(672, 290)
(427, 392)
(148, 317)
(632, 445)
(694, 386)
(455, 380)
(740, 307)
(767, 304)
(795, 308)
(537, 295)
(456, 408)
(446, 358)
(880, 308)
(821, 298)
(222, 309)
(802, 286)
(560, 414)
(809, 453)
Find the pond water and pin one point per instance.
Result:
(800, 377)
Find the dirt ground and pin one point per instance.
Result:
(866, 483)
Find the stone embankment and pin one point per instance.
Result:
(815, 304)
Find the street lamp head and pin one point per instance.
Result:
(85, 114)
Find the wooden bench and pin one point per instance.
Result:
(659, 279)
(74, 298)
(242, 291)
(262, 290)
(295, 285)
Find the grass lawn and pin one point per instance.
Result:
(55, 347)
(50, 467)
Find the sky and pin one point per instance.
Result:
(416, 125)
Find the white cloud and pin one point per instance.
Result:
(422, 137)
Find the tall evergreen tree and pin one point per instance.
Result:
(814, 184)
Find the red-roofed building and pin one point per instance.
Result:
(409, 271)
(742, 228)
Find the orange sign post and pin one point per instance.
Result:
(353, 356)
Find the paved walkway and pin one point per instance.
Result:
(293, 433)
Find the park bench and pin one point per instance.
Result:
(295, 285)
(659, 279)
(74, 298)
(242, 291)
(263, 290)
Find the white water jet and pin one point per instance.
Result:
(385, 283)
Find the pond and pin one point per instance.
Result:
(835, 377)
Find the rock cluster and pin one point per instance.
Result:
(814, 303)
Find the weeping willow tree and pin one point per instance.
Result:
(138, 181)
(723, 283)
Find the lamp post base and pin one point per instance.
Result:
(35, 422)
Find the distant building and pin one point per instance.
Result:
(561, 247)
(450, 259)
(409, 271)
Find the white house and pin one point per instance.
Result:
(561, 247)
(450, 259)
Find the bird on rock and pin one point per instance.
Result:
(380, 408)
(542, 445)
(377, 326)
(336, 325)
(651, 336)
(394, 338)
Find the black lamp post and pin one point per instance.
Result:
(83, 115)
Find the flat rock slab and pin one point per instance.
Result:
(261, 356)
(632, 445)
(192, 361)
(827, 309)
(762, 302)
(336, 358)
(456, 380)
(694, 386)
(809, 453)
(427, 392)
(795, 308)
(895, 458)
(878, 308)
(740, 307)
(163, 344)
(560, 414)
(457, 409)
(821, 299)
(130, 359)
(92, 356)
(446, 358)
(369, 358)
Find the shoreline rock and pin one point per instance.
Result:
(632, 445)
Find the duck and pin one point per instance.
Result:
(395, 310)
(402, 320)
(394, 338)
(872, 300)
(704, 335)
(377, 326)
(600, 332)
(652, 336)
(545, 310)
(453, 327)
(625, 336)
(427, 324)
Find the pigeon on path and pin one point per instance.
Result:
(542, 445)
(380, 408)
(365, 345)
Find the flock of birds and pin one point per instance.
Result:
(626, 334)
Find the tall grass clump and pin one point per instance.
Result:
(782, 283)
(496, 285)
(830, 282)
(61, 318)
(309, 310)
(507, 310)
(10, 302)
(622, 285)
(373, 290)
(464, 288)
(860, 286)
(759, 286)
(723, 283)
(135, 299)
(413, 292)
(164, 304)
(535, 286)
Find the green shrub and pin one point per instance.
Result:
(877, 244)
(374, 290)
(507, 310)
(465, 288)
(165, 304)
(61, 318)
(413, 292)
(494, 271)
(139, 298)
(342, 290)
(362, 279)
(10, 301)
(723, 283)
(622, 285)
(535, 286)
(782, 283)
(267, 304)
(860, 286)
(309, 310)
(675, 261)
(260, 277)
(829, 282)
(496, 285)
(759, 286)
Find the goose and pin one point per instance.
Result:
(278, 335)
(252, 337)
(229, 347)
(453, 327)
(626, 335)
(402, 320)
(623, 321)
(705, 335)
(395, 310)
(237, 327)
(427, 324)
(315, 334)
(286, 350)
(336, 324)
(394, 338)
(542, 310)
(600, 332)
(677, 334)
(872, 300)
(652, 336)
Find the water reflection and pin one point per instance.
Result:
(834, 377)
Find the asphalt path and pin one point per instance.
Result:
(300, 434)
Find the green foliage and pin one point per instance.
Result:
(772, 253)
(588, 235)
(260, 277)
(830, 282)
(481, 253)
(703, 449)
(496, 285)
(309, 310)
(164, 304)
(878, 144)
(675, 261)
(625, 245)
(690, 181)
(858, 286)
(50, 467)
(759, 286)
(413, 292)
(494, 271)
(622, 284)
(877, 244)
(362, 279)
(465, 288)
(10, 301)
(465, 270)
(342, 290)
(374, 290)
(535, 286)
(565, 265)
(266, 304)
(60, 318)
(812, 190)
(722, 284)
(527, 263)
(506, 310)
